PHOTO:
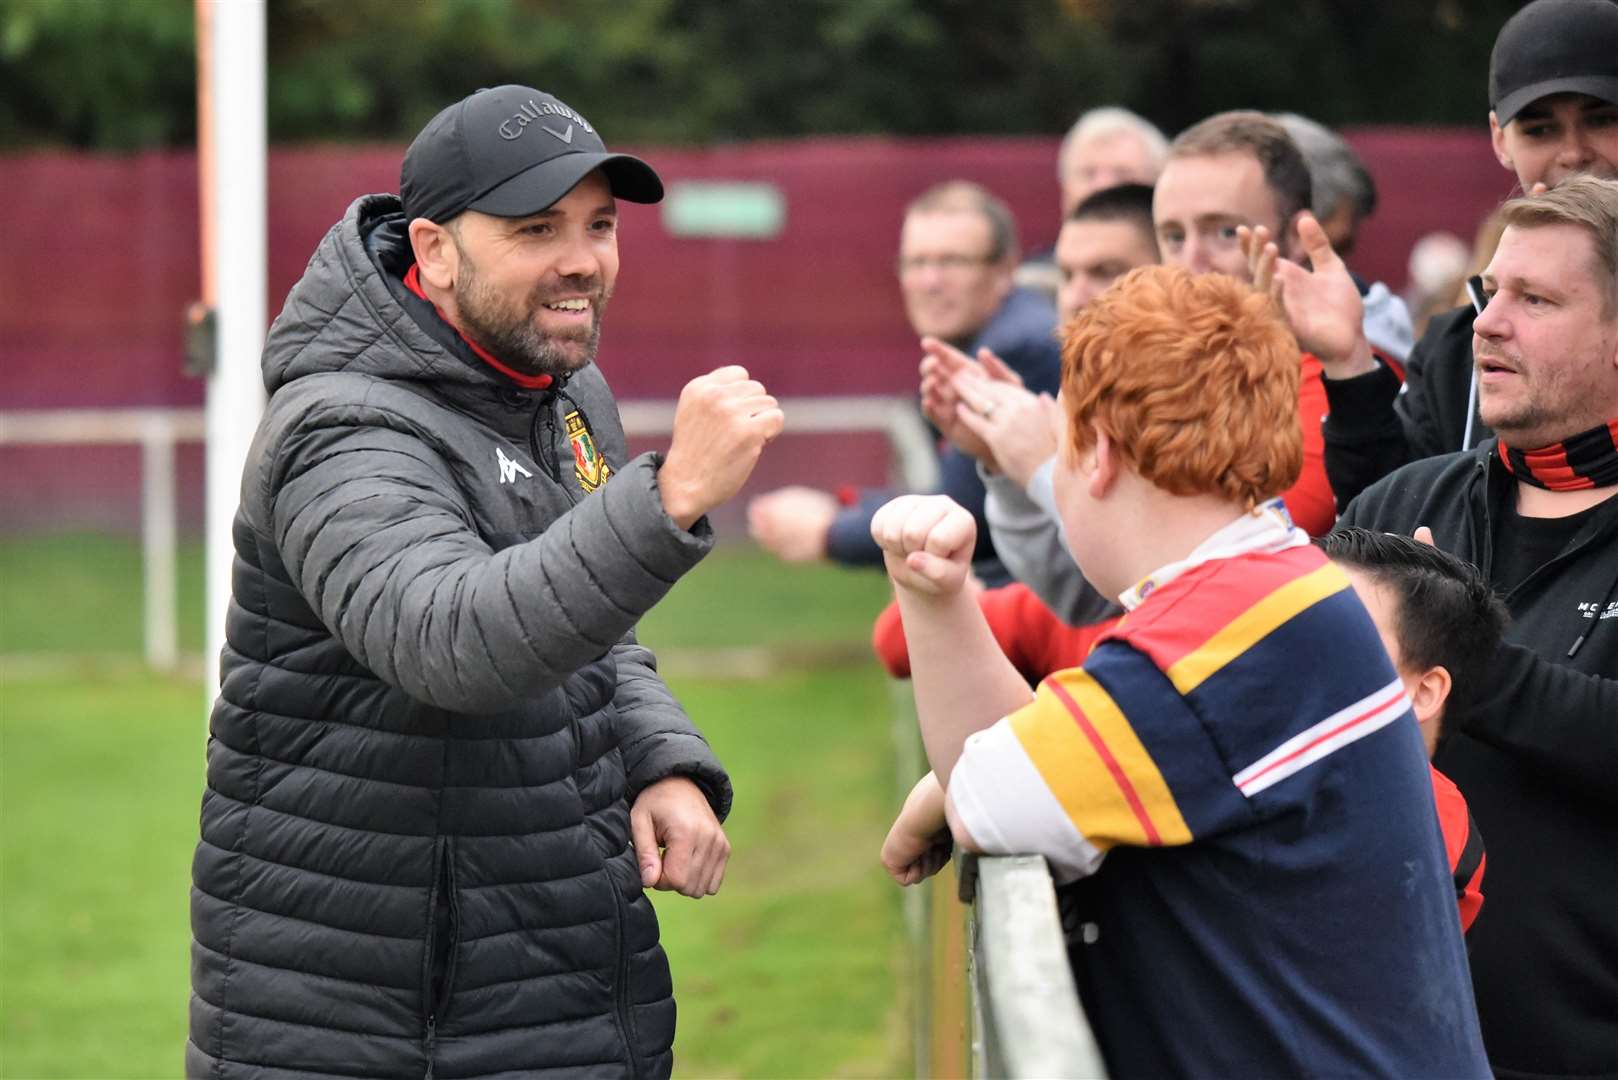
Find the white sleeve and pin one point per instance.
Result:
(1005, 804)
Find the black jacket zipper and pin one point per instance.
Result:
(620, 989)
(543, 448)
(438, 980)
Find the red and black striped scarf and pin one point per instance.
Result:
(1586, 460)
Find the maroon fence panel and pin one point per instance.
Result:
(102, 261)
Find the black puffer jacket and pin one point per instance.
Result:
(415, 855)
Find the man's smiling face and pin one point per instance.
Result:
(532, 290)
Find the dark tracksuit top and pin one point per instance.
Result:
(1536, 755)
(1375, 423)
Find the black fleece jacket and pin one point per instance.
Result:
(1375, 424)
(1536, 755)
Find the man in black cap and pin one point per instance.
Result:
(441, 768)
(1553, 94)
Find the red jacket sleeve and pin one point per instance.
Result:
(888, 641)
(1463, 845)
(1310, 501)
(1033, 638)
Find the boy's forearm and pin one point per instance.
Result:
(923, 810)
(963, 682)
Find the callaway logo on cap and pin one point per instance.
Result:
(511, 151)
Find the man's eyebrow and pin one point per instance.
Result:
(1519, 284)
(550, 212)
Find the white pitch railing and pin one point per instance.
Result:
(158, 432)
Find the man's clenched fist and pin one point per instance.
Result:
(721, 425)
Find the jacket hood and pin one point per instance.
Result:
(345, 313)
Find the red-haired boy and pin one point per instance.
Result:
(1249, 825)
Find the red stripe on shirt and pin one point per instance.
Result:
(1118, 775)
(1357, 718)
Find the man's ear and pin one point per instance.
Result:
(1104, 463)
(1428, 694)
(1497, 139)
(436, 254)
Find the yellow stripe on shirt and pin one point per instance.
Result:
(1254, 624)
(1095, 765)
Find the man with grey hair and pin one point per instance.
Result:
(1345, 194)
(1105, 147)
(1536, 509)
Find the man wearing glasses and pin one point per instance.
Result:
(957, 251)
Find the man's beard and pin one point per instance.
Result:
(512, 335)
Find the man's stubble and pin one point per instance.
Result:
(514, 336)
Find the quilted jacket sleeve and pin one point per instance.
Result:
(371, 529)
(656, 737)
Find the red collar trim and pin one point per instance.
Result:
(412, 280)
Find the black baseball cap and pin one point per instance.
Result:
(511, 151)
(1554, 47)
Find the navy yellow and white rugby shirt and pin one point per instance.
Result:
(1236, 784)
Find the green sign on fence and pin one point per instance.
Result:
(732, 209)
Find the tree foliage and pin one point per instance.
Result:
(120, 74)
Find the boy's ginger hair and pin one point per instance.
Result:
(1194, 378)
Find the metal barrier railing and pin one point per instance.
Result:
(992, 992)
(1026, 1016)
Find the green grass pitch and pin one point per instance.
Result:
(794, 969)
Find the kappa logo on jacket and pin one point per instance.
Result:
(510, 467)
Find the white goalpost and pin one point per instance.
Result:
(231, 160)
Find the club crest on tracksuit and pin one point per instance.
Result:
(588, 464)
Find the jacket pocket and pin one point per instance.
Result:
(443, 935)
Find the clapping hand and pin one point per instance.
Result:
(1019, 428)
(941, 363)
